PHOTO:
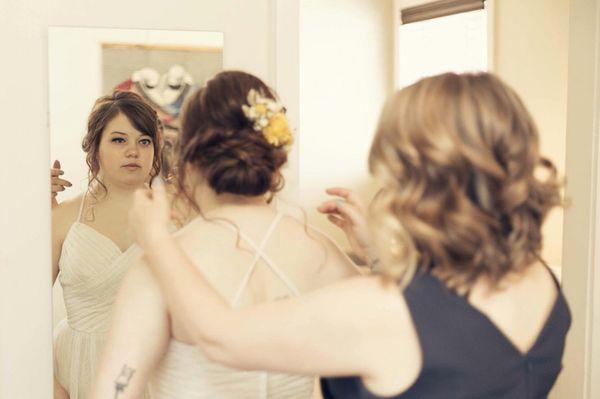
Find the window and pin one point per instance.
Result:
(430, 41)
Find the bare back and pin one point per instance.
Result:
(256, 255)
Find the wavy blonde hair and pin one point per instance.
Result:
(459, 157)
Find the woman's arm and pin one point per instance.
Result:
(63, 216)
(326, 332)
(337, 330)
(137, 340)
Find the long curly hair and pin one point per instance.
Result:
(464, 196)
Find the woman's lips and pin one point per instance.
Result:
(132, 167)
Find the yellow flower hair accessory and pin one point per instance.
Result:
(267, 116)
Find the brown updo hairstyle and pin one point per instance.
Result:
(218, 140)
(139, 113)
(463, 196)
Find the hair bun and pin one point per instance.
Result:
(242, 163)
(221, 141)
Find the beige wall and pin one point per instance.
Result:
(581, 273)
(346, 61)
(531, 40)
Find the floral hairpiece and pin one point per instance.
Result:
(267, 116)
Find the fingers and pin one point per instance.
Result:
(57, 184)
(55, 170)
(149, 201)
(158, 187)
(61, 182)
(328, 207)
(56, 188)
(348, 195)
(339, 222)
(333, 208)
(338, 191)
(342, 210)
(159, 193)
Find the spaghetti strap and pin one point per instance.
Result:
(257, 255)
(271, 229)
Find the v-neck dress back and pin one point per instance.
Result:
(465, 355)
(91, 269)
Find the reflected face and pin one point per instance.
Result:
(125, 154)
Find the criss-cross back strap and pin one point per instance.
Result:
(259, 254)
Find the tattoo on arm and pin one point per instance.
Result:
(123, 379)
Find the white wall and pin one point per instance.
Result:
(346, 59)
(25, 307)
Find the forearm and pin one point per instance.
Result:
(137, 340)
(119, 379)
(191, 300)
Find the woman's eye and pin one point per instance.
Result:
(145, 141)
(118, 140)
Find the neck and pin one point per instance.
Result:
(117, 191)
(208, 200)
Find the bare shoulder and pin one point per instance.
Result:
(390, 336)
(68, 208)
(64, 215)
(313, 243)
(376, 308)
(198, 235)
(542, 274)
(300, 231)
(376, 294)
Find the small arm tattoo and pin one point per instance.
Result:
(123, 380)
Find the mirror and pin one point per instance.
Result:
(164, 68)
(86, 63)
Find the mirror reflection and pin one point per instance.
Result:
(118, 96)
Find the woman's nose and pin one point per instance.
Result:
(132, 152)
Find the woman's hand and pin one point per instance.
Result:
(57, 184)
(349, 214)
(150, 215)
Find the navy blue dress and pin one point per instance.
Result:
(465, 355)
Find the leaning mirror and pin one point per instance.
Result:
(163, 68)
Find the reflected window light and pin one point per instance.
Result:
(456, 43)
